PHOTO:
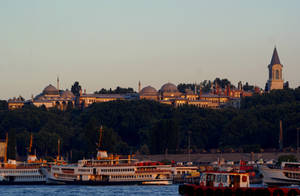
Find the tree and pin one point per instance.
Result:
(3, 105)
(11, 147)
(118, 90)
(76, 88)
(248, 87)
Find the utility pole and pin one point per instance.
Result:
(280, 136)
(189, 146)
(298, 140)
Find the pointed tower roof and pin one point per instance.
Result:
(275, 58)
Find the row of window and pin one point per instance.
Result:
(118, 170)
(18, 171)
(292, 175)
(130, 177)
(84, 170)
(30, 177)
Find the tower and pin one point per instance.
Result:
(275, 72)
(57, 83)
(139, 86)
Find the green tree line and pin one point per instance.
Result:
(150, 127)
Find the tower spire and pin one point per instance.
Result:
(275, 58)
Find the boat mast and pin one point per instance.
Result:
(100, 137)
(6, 144)
(30, 144)
(58, 149)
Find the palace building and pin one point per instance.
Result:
(50, 97)
(216, 98)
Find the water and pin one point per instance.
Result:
(88, 190)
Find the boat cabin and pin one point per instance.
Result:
(224, 179)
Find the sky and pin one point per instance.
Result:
(104, 44)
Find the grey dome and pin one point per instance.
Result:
(169, 87)
(67, 94)
(50, 90)
(148, 90)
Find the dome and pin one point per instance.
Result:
(50, 90)
(169, 87)
(67, 94)
(148, 90)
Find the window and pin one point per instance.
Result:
(224, 179)
(218, 178)
(277, 74)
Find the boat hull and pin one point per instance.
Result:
(192, 189)
(52, 181)
(22, 183)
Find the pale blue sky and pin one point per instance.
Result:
(108, 43)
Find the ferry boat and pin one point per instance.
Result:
(21, 173)
(13, 172)
(287, 174)
(110, 170)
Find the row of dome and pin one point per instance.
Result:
(50, 90)
(168, 87)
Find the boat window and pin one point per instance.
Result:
(218, 179)
(224, 178)
(202, 178)
(210, 177)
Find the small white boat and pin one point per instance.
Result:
(287, 174)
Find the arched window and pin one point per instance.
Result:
(277, 74)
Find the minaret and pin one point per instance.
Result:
(57, 83)
(275, 72)
(139, 86)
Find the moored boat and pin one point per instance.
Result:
(28, 172)
(110, 170)
(287, 174)
(230, 183)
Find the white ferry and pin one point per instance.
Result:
(14, 172)
(287, 174)
(110, 170)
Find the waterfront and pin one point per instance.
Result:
(89, 190)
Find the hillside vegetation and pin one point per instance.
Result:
(151, 127)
